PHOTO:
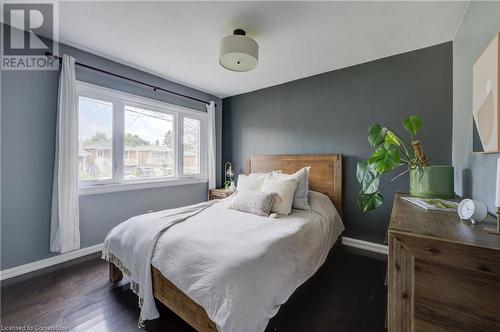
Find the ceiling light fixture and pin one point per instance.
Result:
(239, 52)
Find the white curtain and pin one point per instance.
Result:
(211, 145)
(65, 223)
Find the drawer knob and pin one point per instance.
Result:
(484, 268)
(433, 251)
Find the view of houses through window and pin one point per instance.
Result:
(95, 139)
(149, 144)
(149, 141)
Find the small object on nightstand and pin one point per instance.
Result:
(497, 202)
(229, 177)
(492, 230)
(219, 193)
(471, 209)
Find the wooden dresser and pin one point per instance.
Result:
(443, 274)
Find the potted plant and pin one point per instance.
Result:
(393, 153)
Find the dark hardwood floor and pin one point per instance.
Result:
(346, 294)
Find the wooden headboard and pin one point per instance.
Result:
(325, 175)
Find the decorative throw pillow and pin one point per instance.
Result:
(251, 182)
(255, 202)
(285, 188)
(301, 196)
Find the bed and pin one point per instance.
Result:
(172, 259)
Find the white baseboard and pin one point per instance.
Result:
(365, 245)
(30, 267)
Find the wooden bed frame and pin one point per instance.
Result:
(325, 176)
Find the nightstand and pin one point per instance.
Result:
(219, 193)
(443, 272)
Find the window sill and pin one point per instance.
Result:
(137, 185)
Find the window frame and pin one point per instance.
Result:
(121, 99)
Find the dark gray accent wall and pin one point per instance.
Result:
(474, 173)
(28, 119)
(331, 113)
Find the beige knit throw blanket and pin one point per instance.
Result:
(130, 246)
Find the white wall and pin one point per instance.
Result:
(474, 173)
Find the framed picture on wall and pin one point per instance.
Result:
(485, 101)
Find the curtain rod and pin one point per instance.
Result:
(155, 88)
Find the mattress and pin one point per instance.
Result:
(241, 267)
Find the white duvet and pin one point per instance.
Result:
(241, 267)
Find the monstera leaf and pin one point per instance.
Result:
(413, 124)
(385, 159)
(392, 139)
(367, 202)
(376, 134)
(367, 177)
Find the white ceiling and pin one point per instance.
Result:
(180, 40)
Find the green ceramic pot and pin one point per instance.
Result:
(432, 181)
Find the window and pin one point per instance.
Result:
(149, 145)
(191, 138)
(95, 158)
(127, 139)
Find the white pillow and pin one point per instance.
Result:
(285, 188)
(254, 202)
(251, 182)
(301, 196)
